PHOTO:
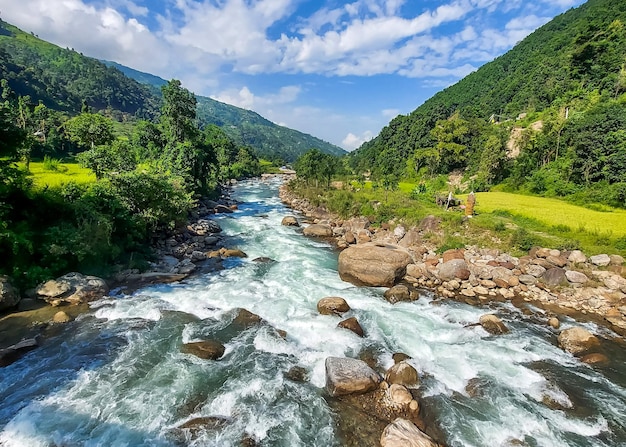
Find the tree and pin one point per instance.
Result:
(90, 129)
(178, 113)
(107, 159)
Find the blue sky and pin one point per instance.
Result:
(339, 70)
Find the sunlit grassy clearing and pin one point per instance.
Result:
(67, 172)
(553, 212)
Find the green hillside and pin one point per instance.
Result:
(547, 117)
(65, 80)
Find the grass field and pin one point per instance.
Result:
(64, 173)
(554, 212)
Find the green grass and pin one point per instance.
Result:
(65, 173)
(555, 213)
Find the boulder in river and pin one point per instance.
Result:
(402, 373)
(332, 305)
(14, 352)
(318, 230)
(401, 292)
(403, 433)
(72, 288)
(352, 324)
(207, 349)
(9, 296)
(577, 340)
(493, 324)
(290, 221)
(371, 264)
(349, 376)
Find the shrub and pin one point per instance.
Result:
(524, 240)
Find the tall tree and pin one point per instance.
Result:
(90, 129)
(178, 114)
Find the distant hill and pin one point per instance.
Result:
(565, 80)
(66, 80)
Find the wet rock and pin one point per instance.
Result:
(332, 305)
(399, 357)
(73, 288)
(196, 425)
(318, 230)
(349, 376)
(493, 324)
(576, 277)
(452, 269)
(15, 352)
(290, 221)
(373, 265)
(353, 325)
(595, 359)
(600, 260)
(246, 318)
(263, 260)
(577, 340)
(222, 209)
(403, 433)
(297, 374)
(232, 253)
(9, 295)
(402, 373)
(61, 317)
(554, 323)
(208, 349)
(400, 292)
(398, 395)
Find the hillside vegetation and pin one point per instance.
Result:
(65, 80)
(548, 117)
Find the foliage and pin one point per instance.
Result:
(90, 130)
(315, 166)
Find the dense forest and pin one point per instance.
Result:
(548, 117)
(65, 80)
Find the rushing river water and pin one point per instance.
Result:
(116, 376)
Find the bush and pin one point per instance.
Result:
(524, 240)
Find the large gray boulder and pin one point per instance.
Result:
(455, 268)
(332, 305)
(9, 296)
(349, 376)
(72, 288)
(371, 264)
(403, 433)
(318, 230)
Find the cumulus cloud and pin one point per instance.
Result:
(352, 141)
(245, 99)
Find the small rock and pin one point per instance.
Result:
(263, 260)
(332, 305)
(554, 322)
(208, 349)
(297, 374)
(402, 373)
(527, 279)
(576, 277)
(399, 293)
(9, 296)
(577, 257)
(61, 317)
(616, 260)
(493, 324)
(600, 260)
(353, 325)
(399, 395)
(414, 406)
(399, 357)
(290, 221)
(595, 359)
(554, 277)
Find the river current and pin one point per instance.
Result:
(116, 376)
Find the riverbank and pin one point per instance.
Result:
(560, 282)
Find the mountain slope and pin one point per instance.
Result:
(557, 74)
(66, 80)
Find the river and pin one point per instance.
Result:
(116, 377)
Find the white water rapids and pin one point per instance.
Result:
(116, 376)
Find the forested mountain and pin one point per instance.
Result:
(548, 117)
(65, 80)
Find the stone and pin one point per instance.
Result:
(9, 295)
(363, 237)
(332, 305)
(402, 373)
(577, 257)
(412, 238)
(373, 265)
(398, 395)
(417, 270)
(554, 322)
(399, 293)
(452, 269)
(263, 260)
(318, 230)
(513, 281)
(542, 252)
(535, 270)
(616, 260)
(558, 261)
(493, 324)
(554, 277)
(73, 288)
(576, 277)
(527, 279)
(222, 209)
(403, 433)
(14, 352)
(449, 255)
(577, 340)
(232, 253)
(61, 317)
(349, 376)
(600, 260)
(290, 221)
(595, 359)
(399, 357)
(349, 237)
(399, 232)
(352, 324)
(208, 349)
(297, 374)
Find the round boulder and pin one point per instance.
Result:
(402, 374)
(400, 292)
(332, 305)
(493, 324)
(373, 265)
(352, 324)
(349, 376)
(290, 221)
(403, 433)
(398, 395)
(318, 230)
(577, 340)
(61, 317)
(208, 349)
(454, 268)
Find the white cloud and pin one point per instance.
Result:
(352, 141)
(245, 99)
(390, 113)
